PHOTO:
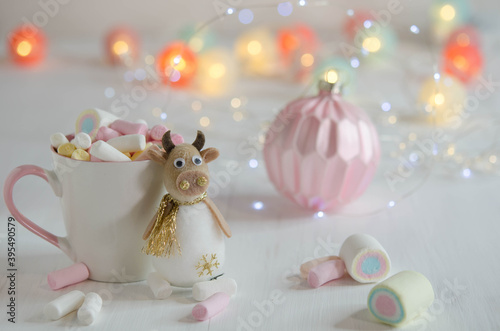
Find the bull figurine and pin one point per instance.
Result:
(186, 235)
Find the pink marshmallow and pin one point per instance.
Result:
(76, 273)
(325, 272)
(105, 133)
(126, 127)
(157, 132)
(176, 139)
(211, 306)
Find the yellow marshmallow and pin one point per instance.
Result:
(80, 154)
(66, 149)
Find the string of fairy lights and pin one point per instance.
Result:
(295, 53)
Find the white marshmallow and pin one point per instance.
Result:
(64, 305)
(82, 140)
(90, 308)
(204, 290)
(401, 298)
(160, 287)
(57, 139)
(105, 152)
(365, 259)
(128, 143)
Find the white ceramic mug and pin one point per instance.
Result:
(106, 207)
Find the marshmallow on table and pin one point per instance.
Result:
(57, 139)
(128, 143)
(105, 133)
(203, 290)
(400, 298)
(126, 127)
(105, 152)
(211, 306)
(82, 140)
(66, 149)
(307, 266)
(64, 305)
(159, 286)
(76, 273)
(325, 272)
(365, 259)
(90, 120)
(90, 308)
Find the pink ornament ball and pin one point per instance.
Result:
(322, 152)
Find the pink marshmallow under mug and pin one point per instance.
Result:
(106, 207)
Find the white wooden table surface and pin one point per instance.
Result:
(448, 229)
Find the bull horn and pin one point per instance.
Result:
(200, 141)
(167, 143)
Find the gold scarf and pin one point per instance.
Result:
(162, 238)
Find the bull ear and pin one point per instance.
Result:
(209, 154)
(157, 156)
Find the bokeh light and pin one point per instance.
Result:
(177, 64)
(216, 72)
(122, 46)
(27, 45)
(256, 52)
(443, 100)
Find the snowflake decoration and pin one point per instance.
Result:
(207, 264)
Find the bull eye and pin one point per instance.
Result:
(179, 163)
(197, 160)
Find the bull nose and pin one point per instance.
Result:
(190, 183)
(202, 181)
(184, 185)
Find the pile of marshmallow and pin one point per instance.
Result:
(101, 136)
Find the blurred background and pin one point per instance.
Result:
(393, 83)
(160, 19)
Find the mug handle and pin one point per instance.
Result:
(51, 178)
